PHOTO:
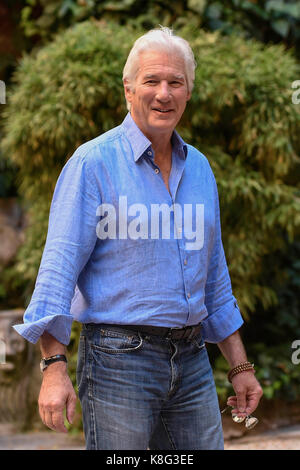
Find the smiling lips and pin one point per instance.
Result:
(164, 111)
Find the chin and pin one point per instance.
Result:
(163, 122)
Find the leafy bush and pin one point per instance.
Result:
(267, 20)
(43, 18)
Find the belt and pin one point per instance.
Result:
(188, 332)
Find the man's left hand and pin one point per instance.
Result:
(248, 393)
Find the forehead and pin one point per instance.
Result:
(164, 63)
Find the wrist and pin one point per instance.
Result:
(50, 346)
(59, 359)
(55, 369)
(244, 366)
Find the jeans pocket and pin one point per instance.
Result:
(115, 342)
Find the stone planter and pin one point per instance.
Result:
(20, 376)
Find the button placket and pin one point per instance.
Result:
(184, 262)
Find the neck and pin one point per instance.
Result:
(160, 141)
(161, 145)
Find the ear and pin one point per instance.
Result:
(127, 90)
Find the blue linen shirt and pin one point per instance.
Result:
(106, 261)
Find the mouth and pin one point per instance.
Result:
(162, 111)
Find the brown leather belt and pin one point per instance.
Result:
(188, 332)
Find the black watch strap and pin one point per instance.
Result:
(46, 361)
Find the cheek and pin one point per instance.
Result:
(182, 104)
(182, 98)
(148, 97)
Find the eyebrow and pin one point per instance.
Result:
(150, 76)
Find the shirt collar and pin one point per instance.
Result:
(139, 142)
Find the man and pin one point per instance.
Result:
(134, 228)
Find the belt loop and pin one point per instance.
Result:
(190, 336)
(169, 334)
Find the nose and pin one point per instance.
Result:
(163, 92)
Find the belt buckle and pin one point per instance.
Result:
(186, 332)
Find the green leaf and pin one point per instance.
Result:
(260, 12)
(276, 5)
(292, 9)
(281, 27)
(214, 11)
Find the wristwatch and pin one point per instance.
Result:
(46, 361)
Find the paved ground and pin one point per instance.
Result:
(287, 438)
(40, 441)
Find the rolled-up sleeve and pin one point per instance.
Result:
(70, 241)
(224, 316)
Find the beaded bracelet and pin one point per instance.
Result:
(242, 367)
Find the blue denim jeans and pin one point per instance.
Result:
(139, 391)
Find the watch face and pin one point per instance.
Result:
(45, 362)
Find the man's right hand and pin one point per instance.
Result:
(57, 393)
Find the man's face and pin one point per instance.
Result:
(159, 94)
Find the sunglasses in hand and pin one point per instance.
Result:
(250, 421)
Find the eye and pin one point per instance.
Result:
(151, 82)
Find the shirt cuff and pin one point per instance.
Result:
(223, 323)
(58, 326)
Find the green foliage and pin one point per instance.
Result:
(277, 374)
(46, 17)
(285, 280)
(77, 425)
(275, 371)
(267, 20)
(7, 177)
(270, 334)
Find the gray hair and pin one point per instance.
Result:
(160, 39)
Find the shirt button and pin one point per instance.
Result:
(185, 262)
(149, 153)
(188, 295)
(156, 171)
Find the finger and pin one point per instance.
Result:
(71, 406)
(48, 420)
(241, 402)
(58, 421)
(231, 401)
(240, 414)
(252, 404)
(42, 413)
